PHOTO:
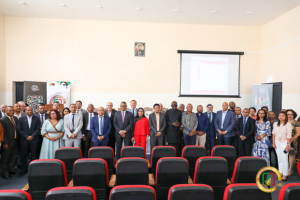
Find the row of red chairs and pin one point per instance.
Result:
(177, 192)
(45, 174)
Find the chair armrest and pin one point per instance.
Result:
(26, 188)
(71, 183)
(112, 181)
(190, 181)
(149, 166)
(151, 179)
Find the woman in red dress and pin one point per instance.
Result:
(141, 130)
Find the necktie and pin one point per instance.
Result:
(77, 111)
(244, 125)
(209, 117)
(123, 116)
(90, 120)
(13, 122)
(73, 120)
(42, 119)
(101, 127)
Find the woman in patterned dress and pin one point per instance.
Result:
(263, 130)
(294, 141)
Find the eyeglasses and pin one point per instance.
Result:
(53, 114)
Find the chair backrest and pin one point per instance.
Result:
(132, 171)
(105, 153)
(246, 169)
(134, 192)
(170, 171)
(212, 171)
(248, 191)
(227, 152)
(45, 174)
(14, 195)
(191, 192)
(68, 155)
(192, 153)
(290, 191)
(159, 152)
(92, 172)
(133, 151)
(71, 193)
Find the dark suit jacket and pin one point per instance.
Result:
(119, 125)
(249, 131)
(211, 126)
(25, 131)
(85, 117)
(9, 130)
(95, 128)
(153, 124)
(228, 125)
(39, 116)
(113, 112)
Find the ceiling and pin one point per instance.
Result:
(228, 12)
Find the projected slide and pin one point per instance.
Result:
(209, 74)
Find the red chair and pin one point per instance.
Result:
(15, 195)
(246, 191)
(132, 192)
(71, 193)
(290, 191)
(133, 151)
(159, 152)
(191, 192)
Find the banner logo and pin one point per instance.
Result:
(266, 180)
(59, 99)
(35, 88)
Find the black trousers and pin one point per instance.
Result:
(87, 143)
(177, 147)
(273, 158)
(24, 150)
(235, 144)
(9, 158)
(119, 139)
(245, 148)
(156, 141)
(112, 141)
(39, 145)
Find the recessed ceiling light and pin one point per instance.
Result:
(138, 8)
(61, 4)
(99, 6)
(176, 10)
(247, 13)
(213, 11)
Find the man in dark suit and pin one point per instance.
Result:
(100, 128)
(157, 123)
(123, 121)
(43, 116)
(28, 127)
(173, 120)
(245, 129)
(86, 129)
(211, 131)
(110, 112)
(224, 125)
(10, 143)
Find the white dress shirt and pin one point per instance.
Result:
(89, 122)
(101, 124)
(223, 117)
(29, 119)
(211, 116)
(42, 118)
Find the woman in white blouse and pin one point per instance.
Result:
(282, 134)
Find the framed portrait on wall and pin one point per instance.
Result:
(139, 49)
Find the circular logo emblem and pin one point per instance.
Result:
(266, 179)
(34, 88)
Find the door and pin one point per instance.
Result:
(277, 97)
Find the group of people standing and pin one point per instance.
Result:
(42, 133)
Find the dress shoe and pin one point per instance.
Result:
(6, 176)
(22, 173)
(13, 172)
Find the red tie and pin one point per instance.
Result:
(78, 111)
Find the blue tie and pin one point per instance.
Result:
(90, 120)
(244, 125)
(101, 125)
(73, 120)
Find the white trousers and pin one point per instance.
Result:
(283, 159)
(201, 140)
(73, 142)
